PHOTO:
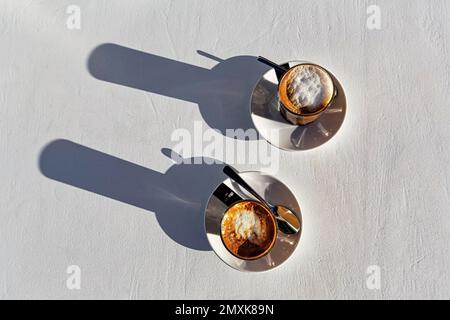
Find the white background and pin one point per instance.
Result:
(375, 194)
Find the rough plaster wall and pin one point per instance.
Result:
(377, 193)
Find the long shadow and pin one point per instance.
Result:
(222, 93)
(178, 197)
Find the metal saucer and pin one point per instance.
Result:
(275, 192)
(267, 119)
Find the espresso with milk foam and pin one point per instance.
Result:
(248, 230)
(306, 88)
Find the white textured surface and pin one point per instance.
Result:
(377, 193)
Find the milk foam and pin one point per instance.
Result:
(306, 90)
(248, 226)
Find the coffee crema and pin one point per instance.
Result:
(306, 88)
(248, 230)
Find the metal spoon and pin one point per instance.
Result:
(287, 221)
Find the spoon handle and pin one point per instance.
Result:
(226, 195)
(232, 173)
(272, 64)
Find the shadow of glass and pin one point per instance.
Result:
(222, 93)
(178, 197)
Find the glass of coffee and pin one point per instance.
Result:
(305, 91)
(248, 229)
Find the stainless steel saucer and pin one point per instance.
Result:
(275, 192)
(267, 119)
